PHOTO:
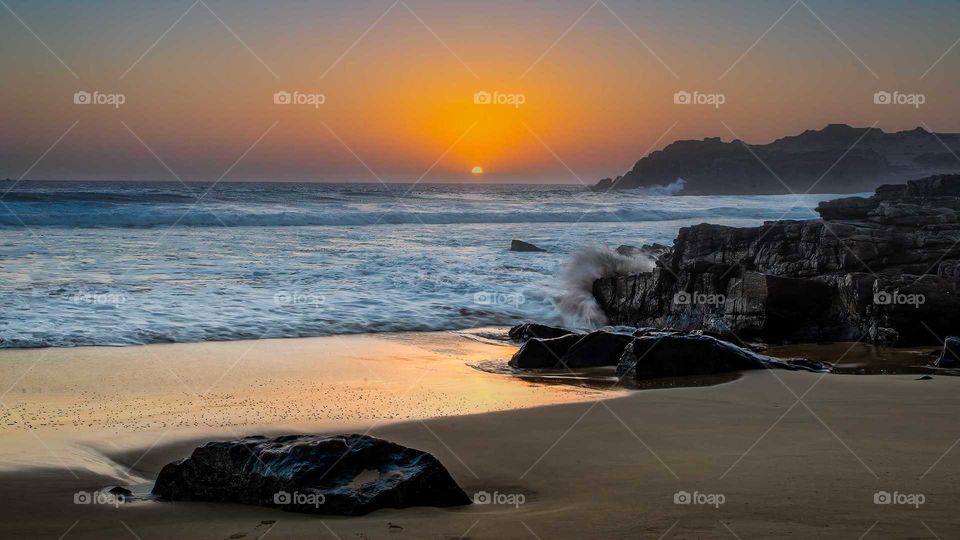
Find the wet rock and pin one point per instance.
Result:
(338, 475)
(520, 245)
(648, 250)
(885, 267)
(525, 331)
(651, 357)
(598, 348)
(543, 353)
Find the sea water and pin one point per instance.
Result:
(119, 263)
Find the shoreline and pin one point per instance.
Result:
(128, 395)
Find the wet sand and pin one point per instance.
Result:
(588, 463)
(113, 398)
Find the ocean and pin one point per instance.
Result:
(122, 263)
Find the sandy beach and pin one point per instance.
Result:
(584, 462)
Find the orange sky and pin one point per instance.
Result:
(399, 81)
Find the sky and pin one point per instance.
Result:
(388, 90)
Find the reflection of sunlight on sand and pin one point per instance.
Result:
(129, 397)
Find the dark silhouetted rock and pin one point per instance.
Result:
(649, 250)
(525, 331)
(886, 267)
(950, 357)
(520, 245)
(651, 357)
(543, 353)
(836, 159)
(339, 475)
(598, 348)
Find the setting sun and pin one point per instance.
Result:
(477, 170)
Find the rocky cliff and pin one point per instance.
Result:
(849, 160)
(883, 268)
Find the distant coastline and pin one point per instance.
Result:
(836, 159)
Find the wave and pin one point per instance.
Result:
(148, 216)
(98, 197)
(673, 188)
(576, 303)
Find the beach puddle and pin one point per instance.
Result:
(851, 358)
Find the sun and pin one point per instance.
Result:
(477, 170)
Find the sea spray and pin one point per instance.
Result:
(576, 303)
(673, 188)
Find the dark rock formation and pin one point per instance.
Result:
(543, 353)
(650, 250)
(520, 245)
(599, 348)
(525, 331)
(651, 357)
(340, 475)
(950, 357)
(573, 351)
(885, 268)
(853, 160)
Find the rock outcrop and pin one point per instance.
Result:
(652, 357)
(648, 353)
(520, 245)
(884, 268)
(340, 475)
(836, 159)
(525, 331)
(573, 351)
(539, 353)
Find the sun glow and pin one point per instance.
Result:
(477, 170)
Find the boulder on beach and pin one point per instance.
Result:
(339, 475)
(525, 331)
(650, 357)
(543, 353)
(950, 357)
(520, 245)
(598, 348)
